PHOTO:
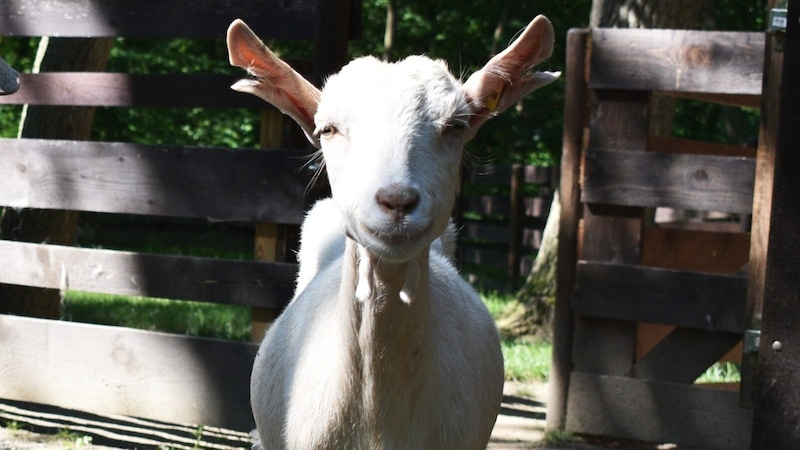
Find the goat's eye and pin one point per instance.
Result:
(325, 131)
(455, 125)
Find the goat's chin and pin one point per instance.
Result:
(396, 247)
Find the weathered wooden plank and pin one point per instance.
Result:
(695, 250)
(684, 354)
(654, 411)
(697, 182)
(129, 372)
(213, 183)
(776, 397)
(121, 89)
(677, 60)
(637, 293)
(689, 146)
(155, 18)
(247, 283)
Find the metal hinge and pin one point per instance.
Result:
(752, 339)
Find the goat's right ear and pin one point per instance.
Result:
(274, 81)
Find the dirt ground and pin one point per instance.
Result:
(521, 425)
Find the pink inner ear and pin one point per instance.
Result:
(505, 79)
(276, 82)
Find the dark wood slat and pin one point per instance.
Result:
(218, 184)
(685, 354)
(120, 89)
(155, 18)
(738, 100)
(651, 179)
(248, 283)
(690, 146)
(645, 294)
(110, 370)
(654, 411)
(677, 60)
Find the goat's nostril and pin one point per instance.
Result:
(398, 200)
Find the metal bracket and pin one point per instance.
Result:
(778, 21)
(752, 339)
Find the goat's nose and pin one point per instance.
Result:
(397, 199)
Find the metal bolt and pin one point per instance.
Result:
(777, 346)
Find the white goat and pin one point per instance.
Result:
(384, 345)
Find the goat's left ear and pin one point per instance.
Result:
(274, 81)
(506, 78)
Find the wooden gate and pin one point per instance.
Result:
(618, 272)
(644, 309)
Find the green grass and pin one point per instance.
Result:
(525, 361)
(155, 314)
(726, 372)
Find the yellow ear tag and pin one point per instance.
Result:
(493, 101)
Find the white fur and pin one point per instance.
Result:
(384, 345)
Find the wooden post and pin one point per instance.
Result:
(575, 108)
(776, 397)
(267, 234)
(762, 203)
(515, 223)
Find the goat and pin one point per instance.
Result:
(384, 345)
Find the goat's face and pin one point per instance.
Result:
(392, 134)
(392, 138)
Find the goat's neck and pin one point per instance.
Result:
(389, 304)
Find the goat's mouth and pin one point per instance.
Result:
(395, 242)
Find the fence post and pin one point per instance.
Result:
(267, 235)
(517, 199)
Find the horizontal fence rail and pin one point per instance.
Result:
(212, 183)
(155, 18)
(249, 283)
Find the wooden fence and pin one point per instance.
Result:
(501, 212)
(111, 370)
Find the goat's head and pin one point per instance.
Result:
(392, 135)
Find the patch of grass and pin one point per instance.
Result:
(555, 437)
(495, 302)
(524, 360)
(73, 439)
(726, 372)
(155, 314)
(12, 425)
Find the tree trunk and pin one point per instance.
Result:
(391, 26)
(532, 309)
(50, 122)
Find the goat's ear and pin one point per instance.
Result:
(274, 81)
(506, 78)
